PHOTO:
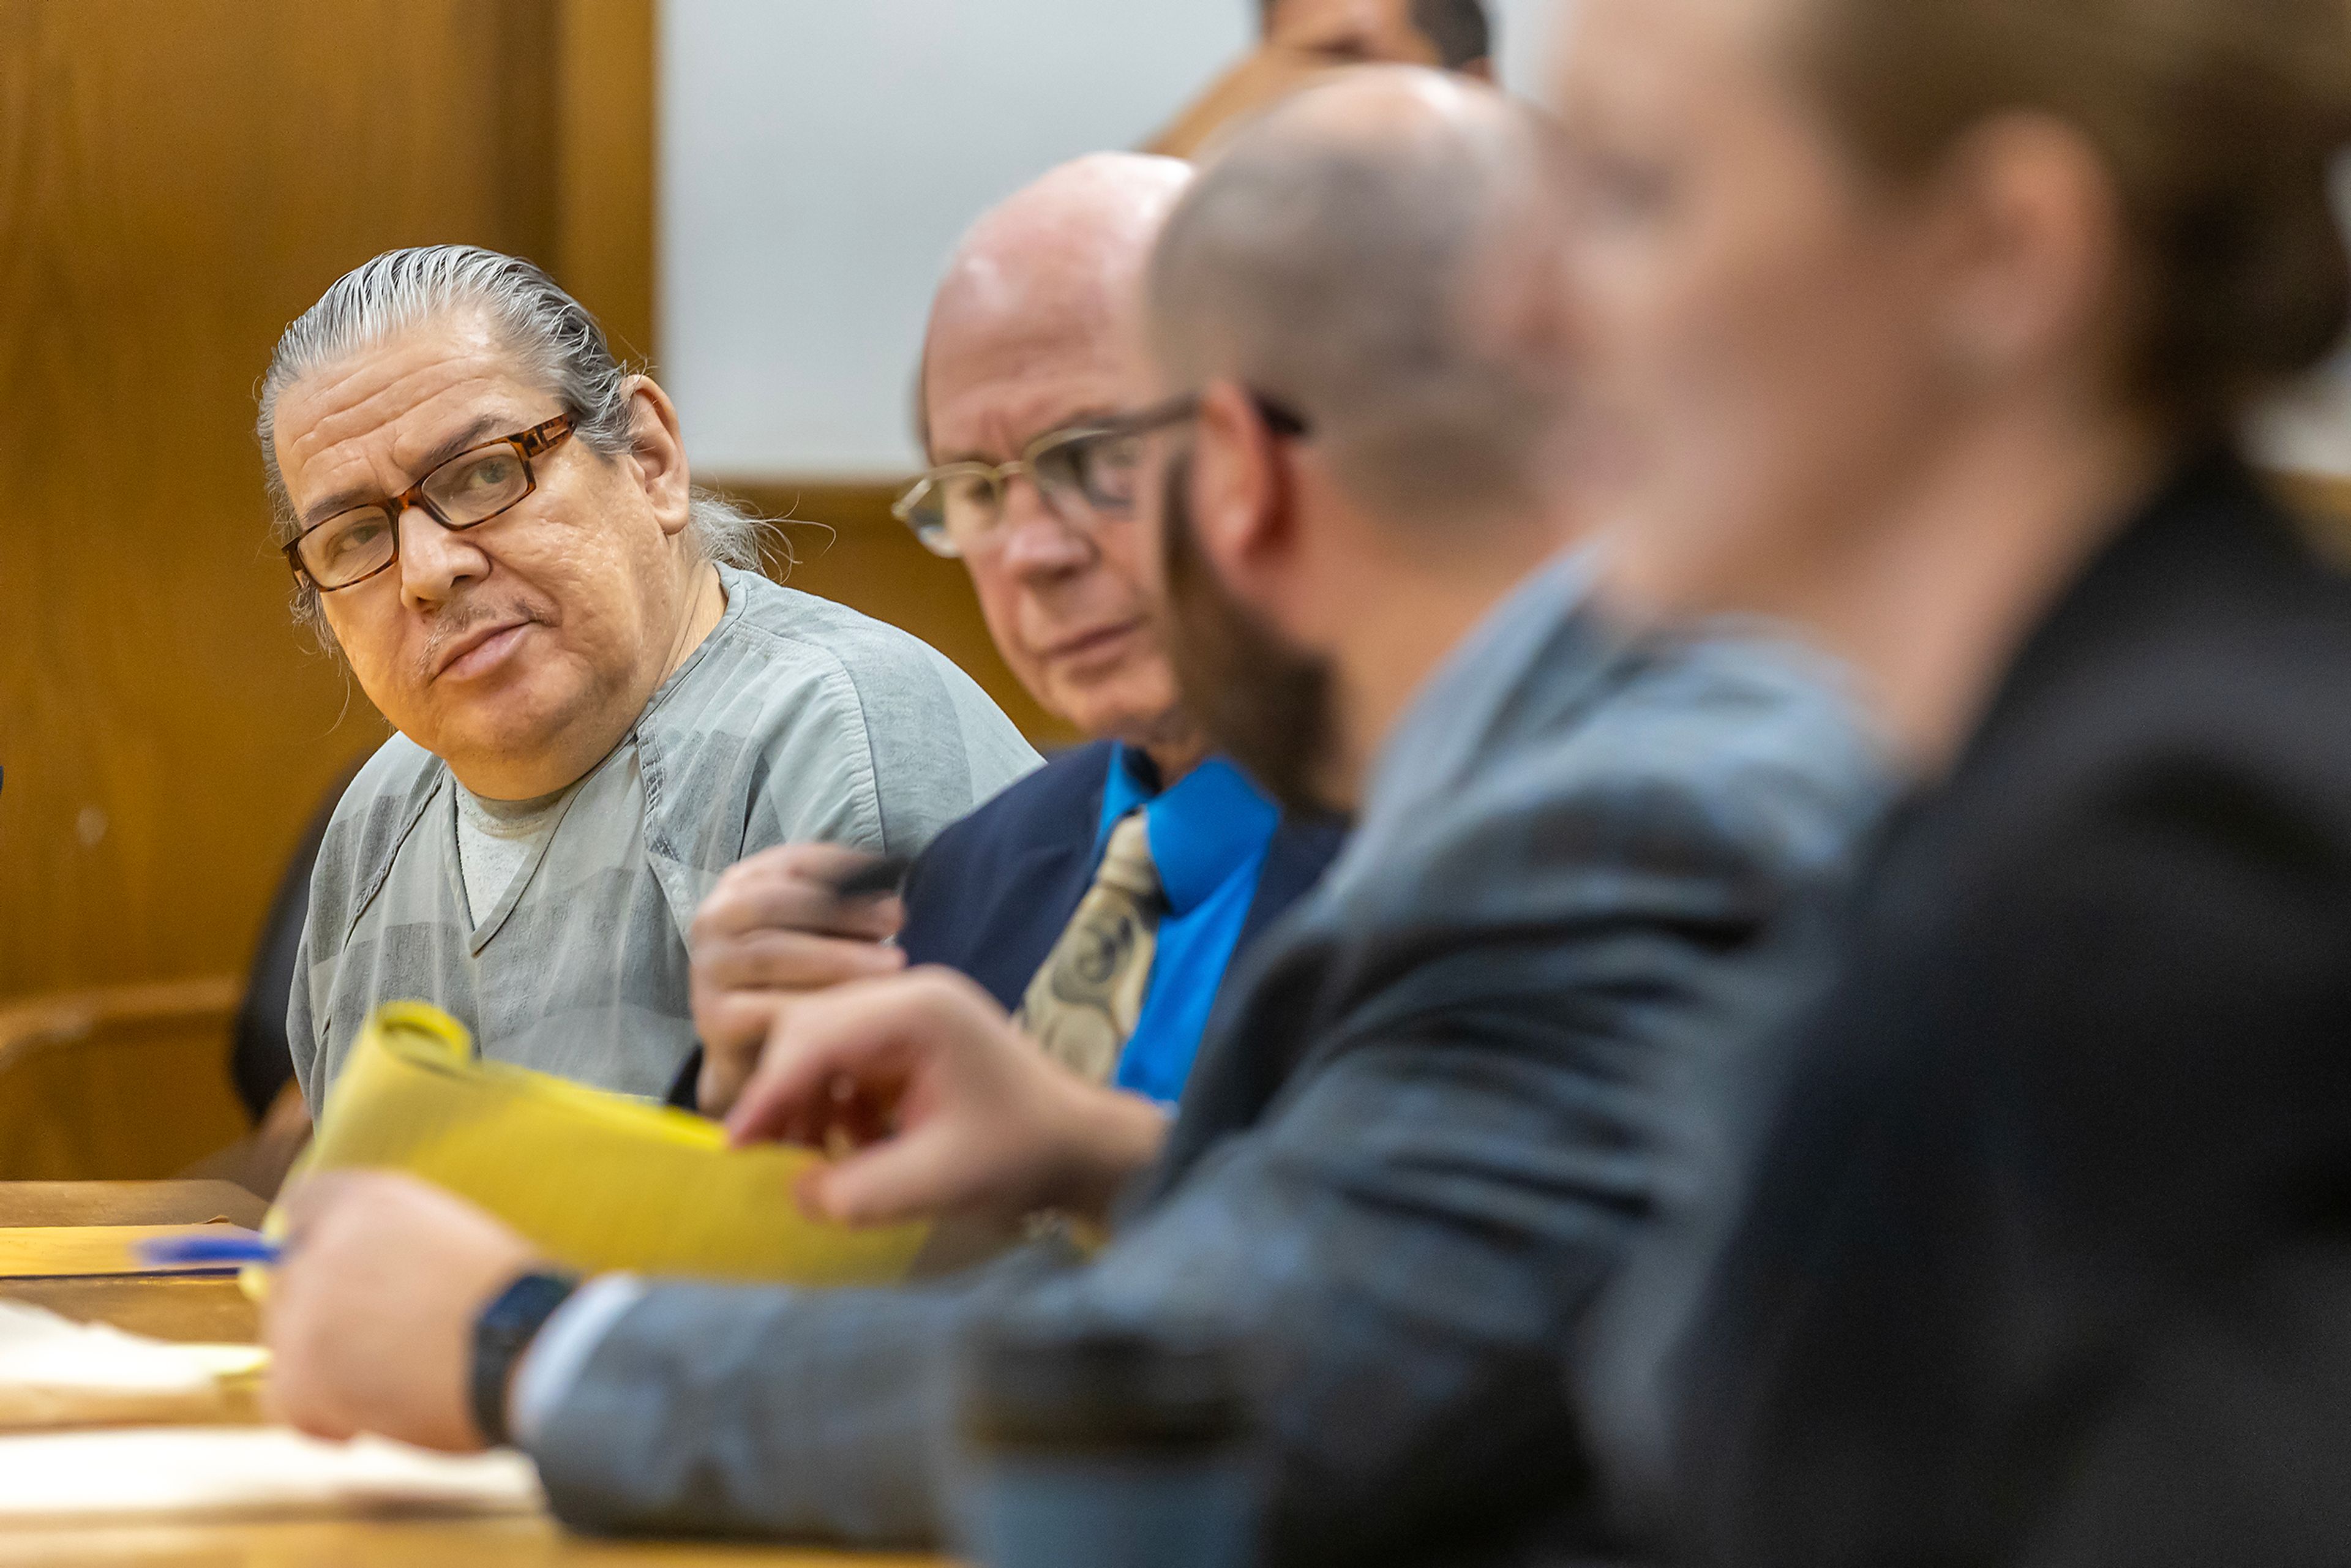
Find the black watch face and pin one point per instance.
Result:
(505, 1329)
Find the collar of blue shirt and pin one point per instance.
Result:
(1204, 830)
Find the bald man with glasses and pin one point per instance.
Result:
(1104, 897)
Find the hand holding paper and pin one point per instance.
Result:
(437, 1179)
(593, 1181)
(781, 926)
(944, 1106)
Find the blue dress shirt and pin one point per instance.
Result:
(1209, 835)
(995, 892)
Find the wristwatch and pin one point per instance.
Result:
(502, 1333)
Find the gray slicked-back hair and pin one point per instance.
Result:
(1352, 254)
(560, 345)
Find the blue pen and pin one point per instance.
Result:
(229, 1248)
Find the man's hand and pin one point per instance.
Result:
(772, 932)
(370, 1320)
(950, 1109)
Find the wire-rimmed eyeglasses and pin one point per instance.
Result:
(1085, 474)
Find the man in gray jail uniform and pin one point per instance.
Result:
(600, 704)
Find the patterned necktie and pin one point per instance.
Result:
(1088, 994)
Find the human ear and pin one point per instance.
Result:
(1239, 501)
(657, 453)
(2032, 226)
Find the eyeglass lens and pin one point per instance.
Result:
(1085, 479)
(470, 488)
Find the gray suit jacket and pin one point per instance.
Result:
(1418, 1141)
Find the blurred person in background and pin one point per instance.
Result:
(1927, 330)
(1111, 945)
(1301, 40)
(1417, 1142)
(600, 704)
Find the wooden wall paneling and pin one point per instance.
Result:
(71, 1062)
(177, 182)
(845, 546)
(522, 42)
(606, 124)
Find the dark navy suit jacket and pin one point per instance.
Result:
(2047, 1256)
(995, 890)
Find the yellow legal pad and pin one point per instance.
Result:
(598, 1180)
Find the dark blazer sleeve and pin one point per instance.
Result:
(1303, 849)
(996, 891)
(2229, 1445)
(992, 892)
(2086, 1086)
(995, 888)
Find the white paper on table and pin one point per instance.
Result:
(40, 1350)
(214, 1472)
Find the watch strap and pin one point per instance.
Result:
(502, 1333)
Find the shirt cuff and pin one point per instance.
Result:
(562, 1348)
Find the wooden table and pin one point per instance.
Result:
(386, 1543)
(212, 1309)
(204, 1309)
(40, 1203)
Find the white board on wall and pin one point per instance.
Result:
(819, 158)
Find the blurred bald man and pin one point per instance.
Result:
(1104, 896)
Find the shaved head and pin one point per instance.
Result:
(1376, 254)
(1053, 271)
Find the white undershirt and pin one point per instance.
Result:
(495, 839)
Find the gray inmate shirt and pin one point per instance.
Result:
(795, 720)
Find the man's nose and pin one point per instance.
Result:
(432, 560)
(1037, 541)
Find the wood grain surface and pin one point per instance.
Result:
(29, 1203)
(211, 1310)
(122, 1080)
(229, 1402)
(88, 1251)
(392, 1543)
(206, 1309)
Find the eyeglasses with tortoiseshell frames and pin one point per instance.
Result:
(464, 492)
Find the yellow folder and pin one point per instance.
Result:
(600, 1181)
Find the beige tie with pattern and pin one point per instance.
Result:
(1088, 994)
